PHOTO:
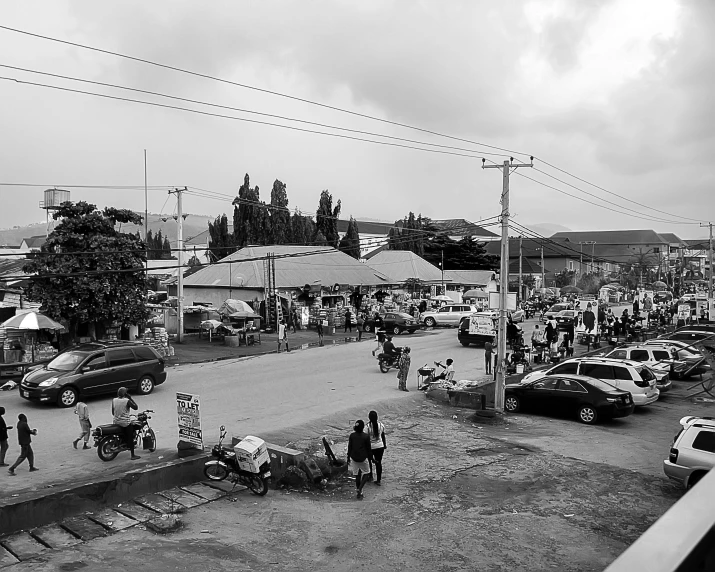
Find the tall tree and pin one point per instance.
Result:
(280, 215)
(221, 241)
(166, 249)
(246, 214)
(326, 218)
(80, 289)
(350, 243)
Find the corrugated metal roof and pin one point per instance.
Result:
(622, 237)
(403, 265)
(470, 277)
(295, 267)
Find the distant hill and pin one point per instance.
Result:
(193, 225)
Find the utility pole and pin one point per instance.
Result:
(180, 262)
(520, 276)
(543, 278)
(506, 168)
(442, 266)
(593, 249)
(710, 260)
(580, 262)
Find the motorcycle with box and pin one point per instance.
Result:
(248, 463)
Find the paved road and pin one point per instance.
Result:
(261, 396)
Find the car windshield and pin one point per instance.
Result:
(66, 361)
(602, 385)
(645, 373)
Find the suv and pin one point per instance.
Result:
(627, 375)
(95, 369)
(693, 452)
(684, 352)
(394, 323)
(447, 315)
(658, 358)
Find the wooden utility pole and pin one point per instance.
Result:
(506, 169)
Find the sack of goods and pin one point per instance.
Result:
(251, 453)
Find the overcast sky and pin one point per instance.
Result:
(618, 92)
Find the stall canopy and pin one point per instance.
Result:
(475, 294)
(401, 266)
(295, 267)
(32, 321)
(232, 306)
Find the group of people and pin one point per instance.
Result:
(24, 439)
(365, 450)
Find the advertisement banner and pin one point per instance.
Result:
(586, 319)
(684, 312)
(481, 325)
(188, 408)
(510, 301)
(702, 308)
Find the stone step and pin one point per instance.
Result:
(84, 528)
(54, 536)
(223, 486)
(23, 546)
(113, 520)
(136, 511)
(183, 498)
(203, 491)
(155, 502)
(6, 558)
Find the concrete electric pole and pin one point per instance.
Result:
(710, 260)
(506, 168)
(521, 292)
(180, 262)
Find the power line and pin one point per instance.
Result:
(243, 110)
(107, 187)
(262, 90)
(244, 119)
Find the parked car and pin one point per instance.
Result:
(685, 352)
(94, 369)
(481, 335)
(447, 315)
(694, 335)
(565, 319)
(693, 452)
(627, 375)
(662, 296)
(518, 316)
(555, 309)
(658, 359)
(588, 398)
(394, 322)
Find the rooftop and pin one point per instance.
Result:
(403, 265)
(618, 237)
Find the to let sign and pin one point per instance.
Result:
(188, 409)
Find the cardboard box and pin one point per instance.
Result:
(251, 453)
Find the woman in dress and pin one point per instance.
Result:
(376, 432)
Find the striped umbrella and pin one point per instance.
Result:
(32, 321)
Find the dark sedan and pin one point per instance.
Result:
(555, 309)
(565, 319)
(588, 398)
(394, 323)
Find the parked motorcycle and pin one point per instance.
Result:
(386, 361)
(226, 466)
(109, 439)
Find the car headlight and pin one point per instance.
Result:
(48, 382)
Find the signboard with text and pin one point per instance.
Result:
(188, 409)
(482, 325)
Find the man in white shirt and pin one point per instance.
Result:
(282, 335)
(82, 411)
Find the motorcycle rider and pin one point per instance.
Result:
(120, 410)
(389, 349)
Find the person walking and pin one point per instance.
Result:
(378, 444)
(488, 349)
(82, 411)
(319, 329)
(359, 452)
(379, 333)
(403, 363)
(282, 335)
(24, 439)
(121, 405)
(3, 438)
(360, 325)
(348, 321)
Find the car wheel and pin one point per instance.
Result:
(67, 397)
(587, 415)
(464, 343)
(396, 330)
(145, 385)
(367, 328)
(512, 403)
(694, 479)
(430, 323)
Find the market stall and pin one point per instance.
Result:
(246, 325)
(28, 339)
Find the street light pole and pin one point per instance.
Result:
(506, 168)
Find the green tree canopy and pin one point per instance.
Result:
(87, 272)
(326, 218)
(221, 241)
(350, 243)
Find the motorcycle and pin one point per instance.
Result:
(386, 361)
(109, 439)
(226, 466)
